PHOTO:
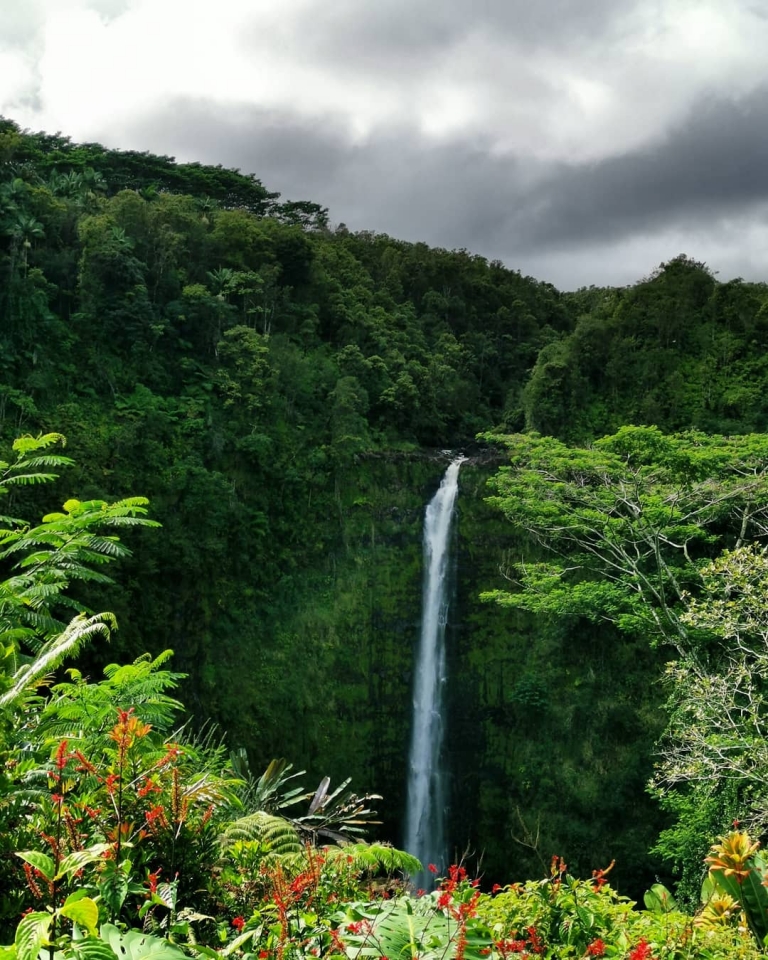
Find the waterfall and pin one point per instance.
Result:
(425, 812)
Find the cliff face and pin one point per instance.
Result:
(549, 726)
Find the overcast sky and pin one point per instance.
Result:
(580, 141)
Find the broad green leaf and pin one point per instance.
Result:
(81, 858)
(134, 945)
(92, 949)
(32, 934)
(84, 912)
(114, 889)
(40, 861)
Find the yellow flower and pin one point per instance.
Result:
(732, 854)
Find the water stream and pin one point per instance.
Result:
(425, 835)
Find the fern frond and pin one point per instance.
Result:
(27, 444)
(26, 479)
(275, 833)
(33, 463)
(79, 632)
(376, 858)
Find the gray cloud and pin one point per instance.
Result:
(714, 165)
(459, 194)
(19, 24)
(400, 32)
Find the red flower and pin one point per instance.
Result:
(600, 875)
(537, 944)
(238, 923)
(172, 752)
(432, 868)
(641, 952)
(152, 879)
(149, 787)
(62, 755)
(496, 887)
(596, 948)
(512, 946)
(85, 764)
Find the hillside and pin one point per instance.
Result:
(281, 390)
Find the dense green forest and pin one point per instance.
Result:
(282, 392)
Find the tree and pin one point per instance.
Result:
(629, 521)
(633, 524)
(713, 763)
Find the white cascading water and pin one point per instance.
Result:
(425, 811)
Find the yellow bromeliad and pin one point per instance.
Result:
(732, 855)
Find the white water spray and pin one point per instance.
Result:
(425, 813)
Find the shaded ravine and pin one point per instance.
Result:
(425, 833)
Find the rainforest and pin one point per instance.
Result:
(221, 420)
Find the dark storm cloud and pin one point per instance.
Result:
(459, 194)
(714, 165)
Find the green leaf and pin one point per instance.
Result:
(114, 889)
(84, 912)
(133, 945)
(81, 858)
(201, 950)
(32, 934)
(92, 949)
(659, 900)
(40, 861)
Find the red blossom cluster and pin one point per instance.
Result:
(507, 947)
(598, 876)
(532, 943)
(152, 881)
(454, 900)
(33, 875)
(641, 952)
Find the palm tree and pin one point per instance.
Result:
(23, 229)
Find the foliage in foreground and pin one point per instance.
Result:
(114, 816)
(324, 906)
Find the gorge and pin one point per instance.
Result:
(281, 391)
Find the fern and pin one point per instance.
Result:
(29, 675)
(276, 834)
(77, 704)
(376, 858)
